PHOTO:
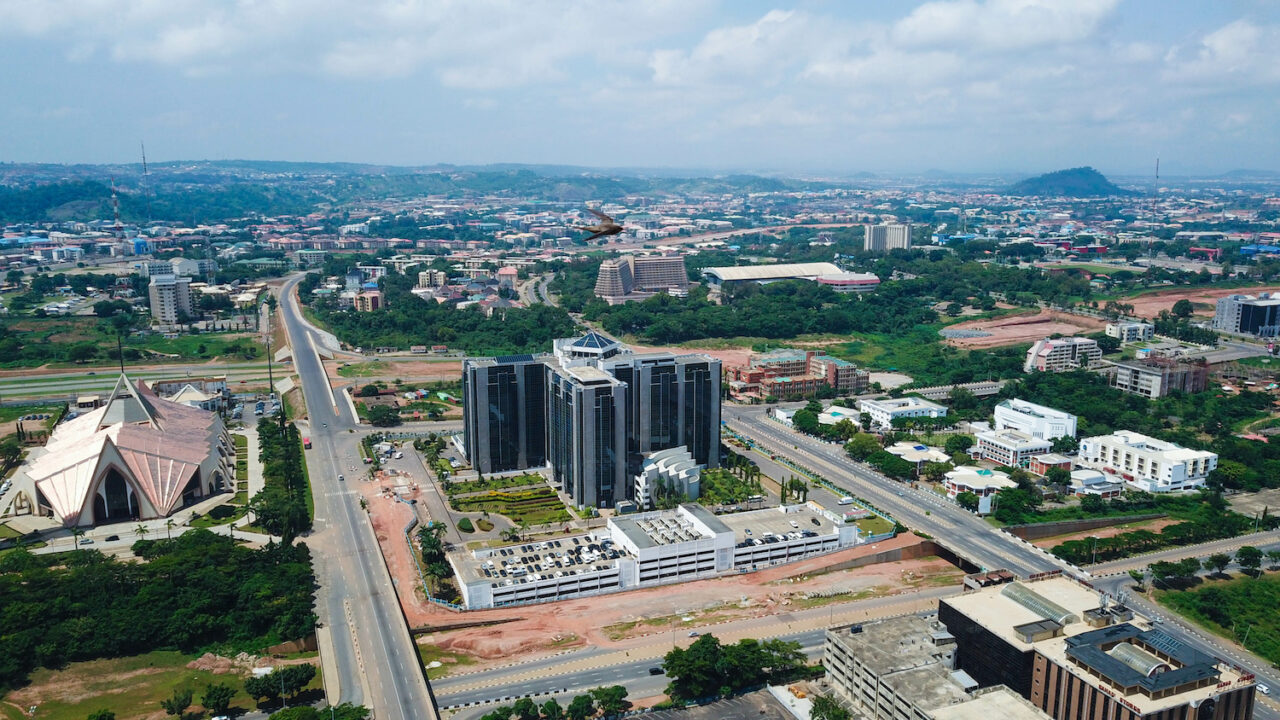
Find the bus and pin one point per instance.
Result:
(306, 443)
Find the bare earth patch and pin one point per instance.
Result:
(1149, 305)
(1026, 328)
(1153, 525)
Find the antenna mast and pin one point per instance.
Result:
(115, 205)
(146, 186)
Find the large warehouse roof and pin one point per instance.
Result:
(807, 271)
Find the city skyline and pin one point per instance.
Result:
(808, 88)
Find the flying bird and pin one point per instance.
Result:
(606, 227)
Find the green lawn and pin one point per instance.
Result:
(8, 533)
(132, 687)
(874, 525)
(374, 368)
(449, 661)
(534, 507)
(495, 483)
(13, 412)
(1235, 609)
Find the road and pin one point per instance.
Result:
(957, 529)
(629, 661)
(1265, 539)
(373, 657)
(103, 379)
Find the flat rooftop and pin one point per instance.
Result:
(576, 555)
(1000, 614)
(997, 703)
(757, 524)
(772, 272)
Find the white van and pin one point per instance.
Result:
(846, 500)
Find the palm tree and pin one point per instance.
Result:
(76, 534)
(141, 531)
(168, 529)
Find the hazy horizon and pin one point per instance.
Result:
(800, 88)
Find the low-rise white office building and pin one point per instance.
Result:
(1146, 463)
(668, 472)
(884, 412)
(979, 481)
(1035, 420)
(646, 549)
(1131, 332)
(1010, 447)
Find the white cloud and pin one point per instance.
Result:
(1001, 25)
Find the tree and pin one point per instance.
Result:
(1250, 559)
(300, 712)
(581, 708)
(10, 451)
(82, 352)
(217, 698)
(935, 471)
(1183, 309)
(1139, 577)
(1274, 557)
(1065, 444)
(177, 703)
(806, 421)
(1217, 562)
(1092, 504)
(370, 391)
(262, 686)
(525, 709)
(968, 500)
(1058, 476)
(861, 446)
(611, 700)
(102, 715)
(551, 710)
(294, 678)
(383, 416)
(825, 708)
(958, 444)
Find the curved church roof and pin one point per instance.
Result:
(158, 443)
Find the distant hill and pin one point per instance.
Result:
(1076, 182)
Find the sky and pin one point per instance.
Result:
(819, 88)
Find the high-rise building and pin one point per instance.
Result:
(886, 237)
(1248, 315)
(505, 413)
(633, 277)
(597, 411)
(170, 297)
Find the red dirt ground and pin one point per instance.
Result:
(539, 628)
(1150, 304)
(1016, 329)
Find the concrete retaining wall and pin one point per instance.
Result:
(1066, 527)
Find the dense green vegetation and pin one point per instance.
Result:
(1077, 182)
(1204, 517)
(777, 310)
(1243, 609)
(708, 669)
(281, 508)
(408, 320)
(196, 592)
(609, 701)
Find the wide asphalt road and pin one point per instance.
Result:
(376, 661)
(957, 529)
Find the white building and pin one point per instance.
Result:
(670, 471)
(1062, 354)
(1011, 448)
(647, 549)
(884, 412)
(979, 481)
(1035, 420)
(1131, 332)
(170, 296)
(1146, 463)
(882, 238)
